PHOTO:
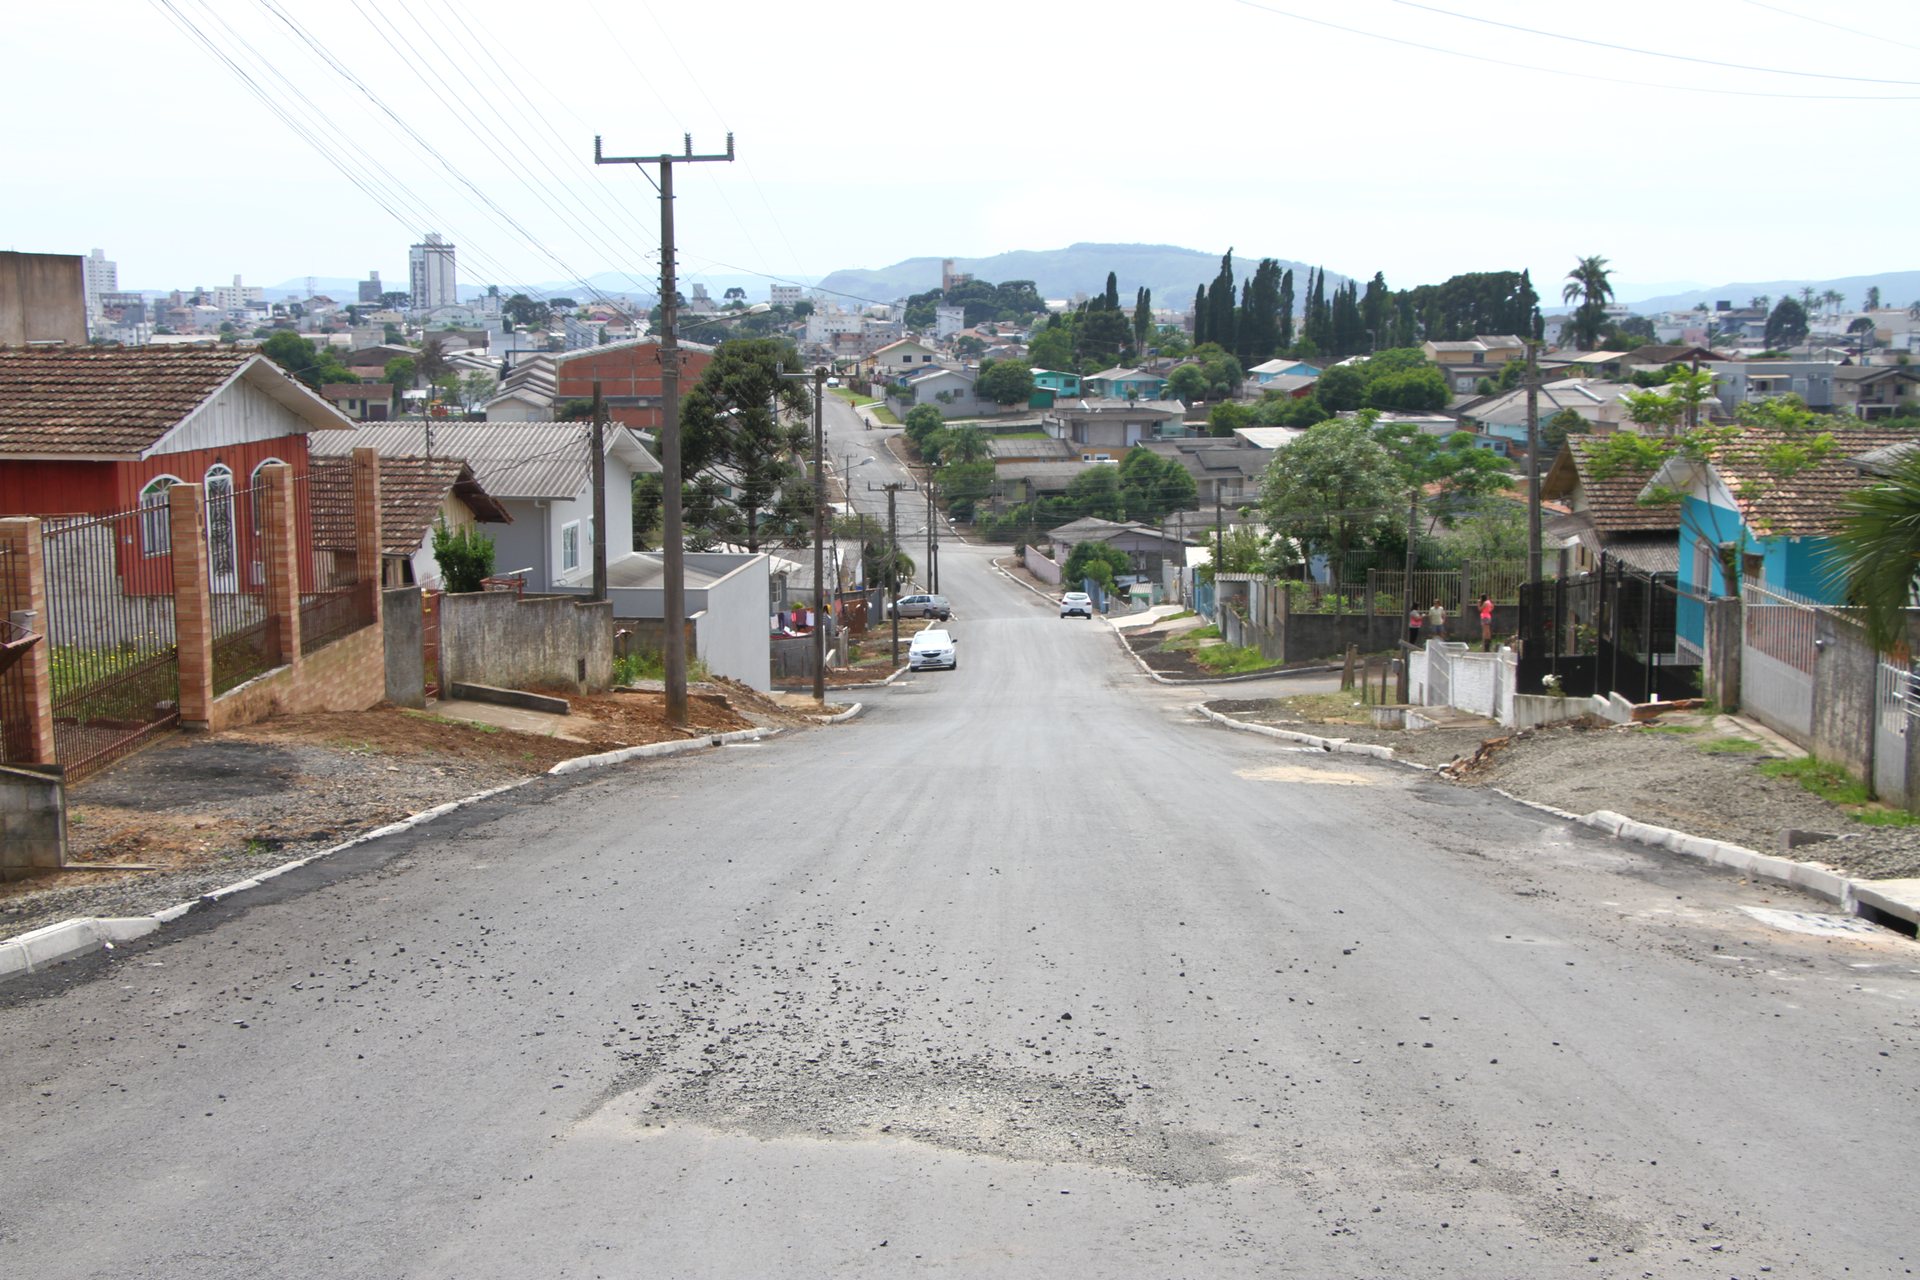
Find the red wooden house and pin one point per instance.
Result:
(90, 431)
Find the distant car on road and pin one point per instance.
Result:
(924, 606)
(1076, 604)
(932, 648)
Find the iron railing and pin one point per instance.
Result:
(240, 553)
(336, 590)
(1780, 625)
(110, 635)
(15, 713)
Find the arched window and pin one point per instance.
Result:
(254, 482)
(156, 538)
(221, 554)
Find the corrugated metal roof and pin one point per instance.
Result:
(509, 459)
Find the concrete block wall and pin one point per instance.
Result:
(33, 822)
(497, 638)
(402, 623)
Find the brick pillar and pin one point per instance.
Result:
(368, 548)
(33, 673)
(192, 603)
(280, 561)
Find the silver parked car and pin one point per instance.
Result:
(924, 606)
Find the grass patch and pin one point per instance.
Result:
(882, 413)
(1830, 782)
(1231, 660)
(1020, 435)
(1887, 818)
(647, 664)
(1672, 728)
(1326, 708)
(458, 724)
(1175, 617)
(851, 396)
(1731, 747)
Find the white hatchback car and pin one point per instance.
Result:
(932, 649)
(1076, 604)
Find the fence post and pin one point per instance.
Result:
(34, 671)
(1720, 676)
(368, 549)
(1466, 594)
(192, 602)
(280, 561)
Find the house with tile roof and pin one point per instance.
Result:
(417, 496)
(629, 377)
(541, 475)
(1605, 513)
(1768, 503)
(96, 430)
(1125, 384)
(1876, 391)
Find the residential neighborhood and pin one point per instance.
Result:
(592, 683)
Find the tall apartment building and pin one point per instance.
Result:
(370, 288)
(102, 277)
(237, 296)
(430, 275)
(785, 295)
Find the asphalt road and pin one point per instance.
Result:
(1026, 972)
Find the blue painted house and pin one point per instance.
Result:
(1281, 367)
(1777, 526)
(1125, 384)
(1061, 384)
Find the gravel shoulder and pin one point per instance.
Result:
(1674, 774)
(205, 810)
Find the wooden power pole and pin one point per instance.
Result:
(672, 537)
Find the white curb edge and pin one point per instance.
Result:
(52, 944)
(840, 717)
(1811, 877)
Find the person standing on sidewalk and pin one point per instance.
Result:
(1437, 621)
(1414, 621)
(1486, 624)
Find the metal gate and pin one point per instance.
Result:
(1895, 709)
(110, 632)
(1776, 659)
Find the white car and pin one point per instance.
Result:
(1076, 603)
(932, 649)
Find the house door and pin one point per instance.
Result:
(222, 553)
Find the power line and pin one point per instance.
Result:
(1424, 47)
(1649, 53)
(1875, 36)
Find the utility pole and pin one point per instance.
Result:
(893, 570)
(933, 545)
(1533, 461)
(598, 462)
(1219, 537)
(672, 538)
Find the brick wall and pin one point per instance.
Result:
(348, 675)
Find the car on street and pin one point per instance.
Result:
(1076, 604)
(932, 649)
(923, 606)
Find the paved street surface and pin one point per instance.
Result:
(1026, 972)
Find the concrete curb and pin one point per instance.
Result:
(840, 717)
(868, 684)
(55, 943)
(657, 750)
(1810, 877)
(1276, 674)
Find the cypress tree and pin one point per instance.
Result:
(1200, 334)
(1285, 317)
(1142, 317)
(1220, 305)
(1112, 301)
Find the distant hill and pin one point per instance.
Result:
(1897, 289)
(1171, 272)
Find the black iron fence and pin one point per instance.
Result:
(240, 547)
(110, 635)
(1613, 630)
(336, 590)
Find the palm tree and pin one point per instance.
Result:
(1877, 551)
(1807, 296)
(1760, 302)
(1834, 300)
(1873, 298)
(1588, 282)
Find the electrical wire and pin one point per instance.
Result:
(1425, 47)
(1874, 36)
(1648, 53)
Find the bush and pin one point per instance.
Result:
(465, 557)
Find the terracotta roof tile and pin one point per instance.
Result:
(1613, 500)
(1807, 501)
(411, 491)
(104, 401)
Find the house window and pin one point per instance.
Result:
(156, 538)
(570, 546)
(253, 496)
(221, 553)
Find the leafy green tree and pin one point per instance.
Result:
(1330, 490)
(402, 373)
(1877, 552)
(523, 310)
(729, 423)
(1872, 299)
(1142, 318)
(465, 557)
(315, 367)
(1187, 383)
(647, 504)
(1677, 405)
(1152, 486)
(1227, 417)
(1052, 347)
(1341, 388)
(1098, 561)
(1590, 283)
(476, 389)
(1412, 389)
(1006, 382)
(433, 359)
(1555, 430)
(1096, 492)
(1496, 531)
(1787, 324)
(922, 421)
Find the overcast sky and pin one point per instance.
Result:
(874, 130)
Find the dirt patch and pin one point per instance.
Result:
(205, 810)
(1693, 773)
